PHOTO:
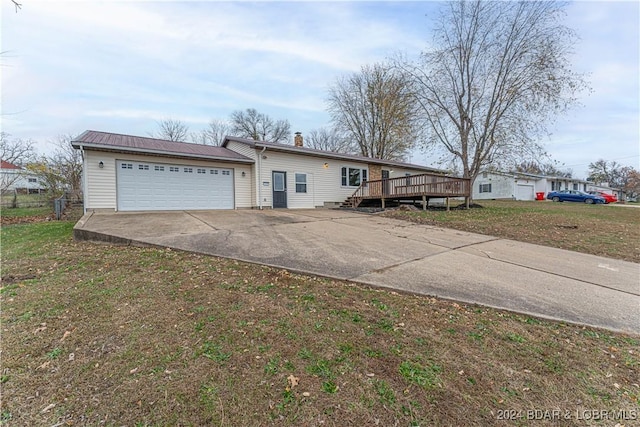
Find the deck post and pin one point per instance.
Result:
(382, 202)
(447, 204)
(466, 201)
(424, 202)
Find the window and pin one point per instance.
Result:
(214, 171)
(301, 183)
(33, 180)
(188, 170)
(485, 188)
(575, 185)
(127, 166)
(174, 169)
(143, 167)
(353, 177)
(202, 171)
(278, 181)
(158, 168)
(226, 172)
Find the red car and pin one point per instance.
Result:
(608, 198)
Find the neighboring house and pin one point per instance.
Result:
(131, 173)
(15, 178)
(524, 186)
(620, 194)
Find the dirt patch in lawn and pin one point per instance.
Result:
(609, 231)
(110, 335)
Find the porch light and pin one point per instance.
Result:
(326, 165)
(243, 174)
(101, 164)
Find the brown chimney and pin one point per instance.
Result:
(297, 140)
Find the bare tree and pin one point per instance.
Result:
(17, 5)
(214, 134)
(16, 150)
(61, 170)
(254, 125)
(497, 77)
(610, 172)
(632, 187)
(48, 175)
(171, 130)
(69, 162)
(547, 168)
(330, 140)
(376, 109)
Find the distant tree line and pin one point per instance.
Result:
(616, 175)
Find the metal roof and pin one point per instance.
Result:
(326, 154)
(106, 141)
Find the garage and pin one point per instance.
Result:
(525, 192)
(148, 186)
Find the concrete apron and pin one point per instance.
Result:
(369, 249)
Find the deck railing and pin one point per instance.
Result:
(412, 187)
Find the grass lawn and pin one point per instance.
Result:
(609, 231)
(25, 200)
(31, 208)
(103, 335)
(10, 213)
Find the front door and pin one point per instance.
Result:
(279, 180)
(385, 182)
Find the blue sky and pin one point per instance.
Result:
(119, 67)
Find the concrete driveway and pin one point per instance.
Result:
(370, 249)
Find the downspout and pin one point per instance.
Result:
(84, 181)
(260, 177)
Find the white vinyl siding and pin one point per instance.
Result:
(493, 186)
(515, 187)
(101, 182)
(323, 183)
(252, 178)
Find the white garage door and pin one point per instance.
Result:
(158, 186)
(525, 192)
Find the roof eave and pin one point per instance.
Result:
(132, 150)
(339, 156)
(327, 154)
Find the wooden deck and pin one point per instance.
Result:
(414, 187)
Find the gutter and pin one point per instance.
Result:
(121, 149)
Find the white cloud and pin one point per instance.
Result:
(120, 66)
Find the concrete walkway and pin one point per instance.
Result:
(531, 279)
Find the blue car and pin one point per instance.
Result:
(574, 196)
